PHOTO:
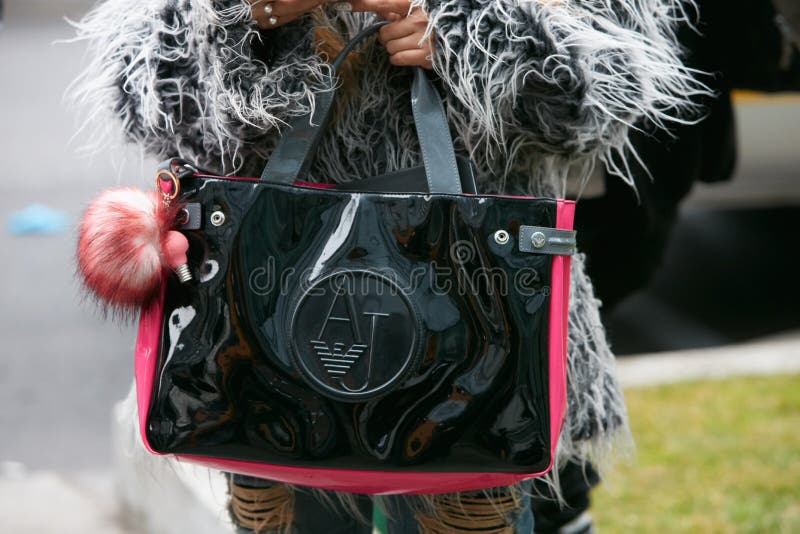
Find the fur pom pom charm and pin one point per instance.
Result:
(125, 243)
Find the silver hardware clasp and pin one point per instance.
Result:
(543, 240)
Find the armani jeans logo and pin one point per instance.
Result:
(354, 334)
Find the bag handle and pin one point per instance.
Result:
(293, 154)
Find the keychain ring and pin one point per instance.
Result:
(171, 191)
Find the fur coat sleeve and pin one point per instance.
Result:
(195, 78)
(572, 76)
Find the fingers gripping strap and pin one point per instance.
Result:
(292, 157)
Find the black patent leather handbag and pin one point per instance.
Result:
(400, 334)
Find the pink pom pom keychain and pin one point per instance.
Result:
(126, 241)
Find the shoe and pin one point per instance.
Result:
(582, 524)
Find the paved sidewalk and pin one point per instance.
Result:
(39, 10)
(45, 502)
(775, 355)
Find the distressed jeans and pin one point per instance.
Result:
(495, 511)
(267, 507)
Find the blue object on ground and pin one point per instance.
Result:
(37, 219)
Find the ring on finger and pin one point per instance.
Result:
(342, 6)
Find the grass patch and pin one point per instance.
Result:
(720, 456)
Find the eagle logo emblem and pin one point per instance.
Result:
(337, 361)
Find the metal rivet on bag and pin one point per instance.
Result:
(217, 218)
(183, 217)
(501, 237)
(538, 240)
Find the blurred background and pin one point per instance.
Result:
(724, 301)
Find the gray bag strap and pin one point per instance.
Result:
(294, 152)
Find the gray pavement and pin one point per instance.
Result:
(61, 364)
(47, 502)
(768, 356)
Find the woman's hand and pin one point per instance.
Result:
(402, 37)
(273, 13)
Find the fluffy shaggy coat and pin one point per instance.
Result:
(537, 92)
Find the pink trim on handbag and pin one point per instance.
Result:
(559, 306)
(145, 357)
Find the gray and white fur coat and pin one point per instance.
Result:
(537, 92)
